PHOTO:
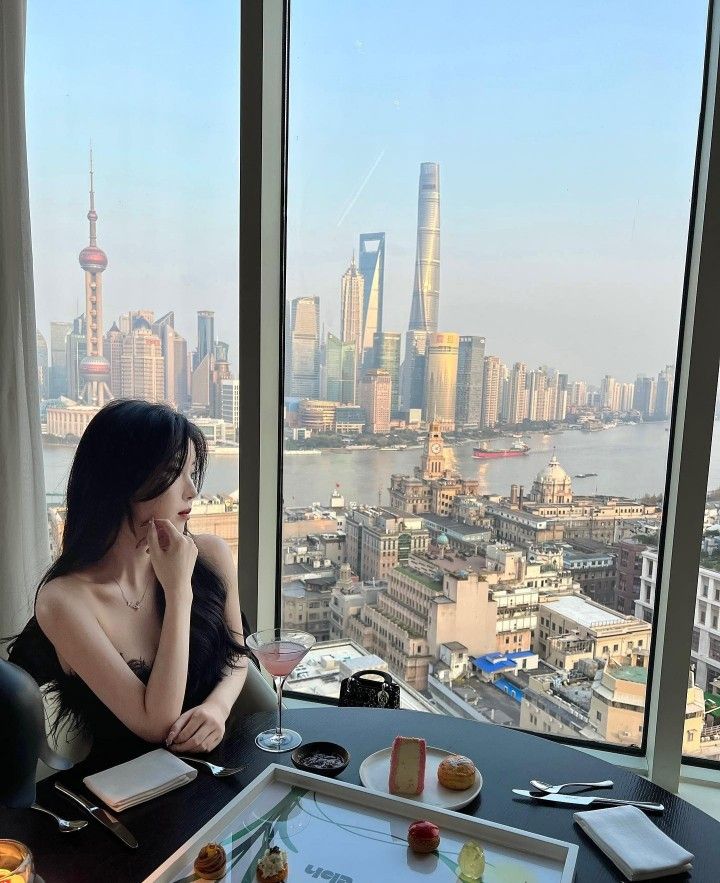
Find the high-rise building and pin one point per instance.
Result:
(663, 400)
(607, 389)
(304, 347)
(43, 371)
(351, 309)
(468, 401)
(75, 351)
(561, 404)
(375, 396)
(201, 392)
(220, 373)
(340, 370)
(142, 367)
(164, 328)
(441, 378)
(181, 376)
(94, 369)
(426, 287)
(504, 394)
(113, 346)
(578, 394)
(372, 269)
(58, 358)
(386, 357)
(491, 392)
(412, 376)
(205, 336)
(518, 408)
(627, 392)
(222, 351)
(645, 395)
(230, 395)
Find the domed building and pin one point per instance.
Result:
(552, 485)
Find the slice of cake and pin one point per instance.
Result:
(407, 766)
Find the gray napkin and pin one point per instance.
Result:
(639, 848)
(141, 779)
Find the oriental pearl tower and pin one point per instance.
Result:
(94, 368)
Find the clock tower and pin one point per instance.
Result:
(433, 461)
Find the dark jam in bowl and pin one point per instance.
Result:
(319, 761)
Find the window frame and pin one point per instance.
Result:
(263, 192)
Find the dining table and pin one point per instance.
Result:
(506, 758)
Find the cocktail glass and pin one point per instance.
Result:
(279, 651)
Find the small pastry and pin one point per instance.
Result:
(423, 836)
(273, 866)
(407, 766)
(211, 863)
(456, 772)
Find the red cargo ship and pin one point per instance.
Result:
(517, 450)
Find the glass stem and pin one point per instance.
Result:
(279, 681)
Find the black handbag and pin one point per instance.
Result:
(364, 690)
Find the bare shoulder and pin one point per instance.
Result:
(58, 598)
(213, 547)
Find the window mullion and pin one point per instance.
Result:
(691, 444)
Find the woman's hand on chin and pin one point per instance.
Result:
(197, 729)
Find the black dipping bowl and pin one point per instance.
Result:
(330, 758)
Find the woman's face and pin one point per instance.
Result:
(174, 503)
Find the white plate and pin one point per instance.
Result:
(375, 773)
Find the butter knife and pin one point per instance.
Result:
(580, 800)
(102, 816)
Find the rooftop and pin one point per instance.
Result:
(635, 673)
(583, 612)
(429, 582)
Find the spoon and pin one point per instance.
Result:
(216, 770)
(556, 789)
(65, 825)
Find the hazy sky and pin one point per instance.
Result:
(155, 85)
(565, 133)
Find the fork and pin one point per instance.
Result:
(65, 825)
(556, 789)
(216, 770)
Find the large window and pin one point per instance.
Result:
(149, 309)
(487, 219)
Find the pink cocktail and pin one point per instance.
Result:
(279, 651)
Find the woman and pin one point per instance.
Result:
(142, 618)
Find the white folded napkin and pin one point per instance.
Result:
(141, 779)
(639, 848)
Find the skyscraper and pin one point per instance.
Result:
(142, 367)
(94, 369)
(386, 357)
(351, 308)
(340, 370)
(164, 328)
(645, 395)
(58, 358)
(468, 401)
(181, 376)
(663, 399)
(426, 288)
(518, 406)
(372, 268)
(305, 347)
(206, 336)
(491, 392)
(441, 378)
(375, 395)
(75, 351)
(42, 365)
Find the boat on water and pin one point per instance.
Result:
(519, 449)
(585, 475)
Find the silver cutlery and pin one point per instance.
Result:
(216, 770)
(556, 789)
(581, 800)
(65, 825)
(101, 815)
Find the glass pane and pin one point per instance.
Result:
(149, 309)
(487, 224)
(701, 738)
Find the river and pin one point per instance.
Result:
(630, 461)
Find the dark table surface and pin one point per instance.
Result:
(506, 758)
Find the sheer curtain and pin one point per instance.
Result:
(24, 542)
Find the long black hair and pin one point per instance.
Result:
(131, 452)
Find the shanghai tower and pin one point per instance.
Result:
(426, 288)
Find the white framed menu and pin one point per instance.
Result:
(343, 833)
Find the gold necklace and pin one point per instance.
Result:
(134, 605)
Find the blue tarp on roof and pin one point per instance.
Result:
(493, 662)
